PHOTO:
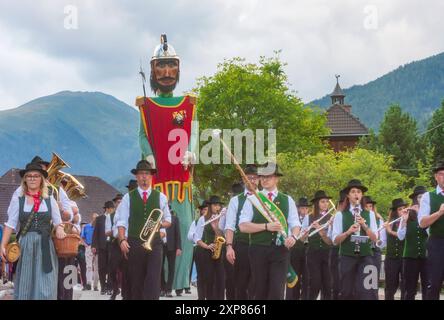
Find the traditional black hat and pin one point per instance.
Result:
(399, 202)
(303, 202)
(143, 165)
(33, 166)
(320, 194)
(203, 205)
(215, 200)
(270, 168)
(368, 199)
(342, 195)
(108, 205)
(355, 183)
(417, 191)
(439, 166)
(132, 184)
(39, 160)
(250, 169)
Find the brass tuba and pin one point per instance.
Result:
(150, 228)
(54, 176)
(74, 189)
(218, 242)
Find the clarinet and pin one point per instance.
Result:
(357, 233)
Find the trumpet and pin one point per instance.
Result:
(150, 228)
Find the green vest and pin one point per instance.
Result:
(415, 241)
(267, 238)
(394, 245)
(315, 242)
(347, 248)
(208, 235)
(238, 235)
(139, 211)
(436, 229)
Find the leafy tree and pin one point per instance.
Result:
(331, 171)
(242, 96)
(435, 133)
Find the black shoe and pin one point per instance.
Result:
(188, 291)
(113, 297)
(102, 292)
(109, 292)
(169, 294)
(178, 294)
(96, 289)
(88, 287)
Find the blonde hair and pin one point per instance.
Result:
(43, 187)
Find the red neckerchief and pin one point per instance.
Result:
(37, 200)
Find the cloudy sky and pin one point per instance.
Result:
(48, 46)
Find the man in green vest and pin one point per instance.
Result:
(137, 206)
(356, 256)
(238, 242)
(431, 215)
(269, 257)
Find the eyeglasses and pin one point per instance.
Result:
(33, 177)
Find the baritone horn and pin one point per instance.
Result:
(150, 228)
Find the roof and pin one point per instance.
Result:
(337, 92)
(343, 123)
(98, 191)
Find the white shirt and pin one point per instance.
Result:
(337, 223)
(383, 238)
(233, 207)
(199, 229)
(14, 207)
(424, 205)
(121, 217)
(191, 231)
(66, 202)
(293, 217)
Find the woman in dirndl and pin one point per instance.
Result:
(35, 212)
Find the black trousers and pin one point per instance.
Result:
(352, 278)
(242, 272)
(435, 267)
(334, 271)
(102, 263)
(81, 259)
(170, 256)
(230, 287)
(412, 270)
(394, 278)
(62, 292)
(298, 260)
(126, 287)
(144, 269)
(200, 267)
(319, 277)
(377, 260)
(115, 266)
(213, 275)
(269, 265)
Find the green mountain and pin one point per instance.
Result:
(94, 132)
(418, 87)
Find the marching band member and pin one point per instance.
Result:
(431, 212)
(354, 257)
(394, 277)
(34, 209)
(318, 251)
(203, 211)
(269, 258)
(144, 266)
(370, 205)
(113, 249)
(211, 269)
(238, 242)
(298, 256)
(414, 252)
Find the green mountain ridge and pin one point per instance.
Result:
(94, 132)
(417, 86)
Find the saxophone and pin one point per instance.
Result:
(218, 242)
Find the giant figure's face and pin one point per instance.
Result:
(164, 75)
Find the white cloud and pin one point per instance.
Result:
(38, 56)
